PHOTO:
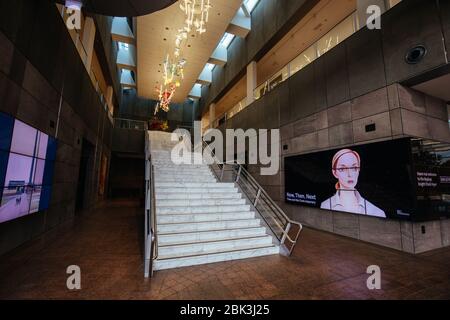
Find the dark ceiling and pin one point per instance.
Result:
(124, 8)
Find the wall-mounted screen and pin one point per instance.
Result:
(375, 180)
(27, 158)
(432, 163)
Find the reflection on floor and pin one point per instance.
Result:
(107, 244)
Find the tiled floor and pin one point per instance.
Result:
(107, 244)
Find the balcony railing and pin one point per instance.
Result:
(339, 33)
(130, 124)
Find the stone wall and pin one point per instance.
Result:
(44, 83)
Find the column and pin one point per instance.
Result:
(88, 41)
(212, 115)
(109, 99)
(252, 74)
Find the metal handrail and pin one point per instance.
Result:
(243, 176)
(151, 232)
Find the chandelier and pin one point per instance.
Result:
(173, 72)
(166, 93)
(197, 14)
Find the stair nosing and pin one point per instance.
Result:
(207, 221)
(199, 222)
(214, 253)
(200, 213)
(212, 241)
(205, 231)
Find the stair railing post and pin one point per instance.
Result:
(285, 233)
(257, 197)
(238, 174)
(221, 174)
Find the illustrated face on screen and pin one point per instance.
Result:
(346, 166)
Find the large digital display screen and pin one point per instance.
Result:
(376, 180)
(432, 164)
(27, 158)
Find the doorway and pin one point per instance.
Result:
(85, 176)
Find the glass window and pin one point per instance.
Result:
(338, 34)
(279, 77)
(261, 90)
(305, 58)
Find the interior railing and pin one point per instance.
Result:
(283, 228)
(151, 238)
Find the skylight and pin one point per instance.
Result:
(250, 4)
(210, 66)
(123, 45)
(226, 40)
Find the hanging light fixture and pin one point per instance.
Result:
(173, 75)
(173, 71)
(197, 14)
(166, 93)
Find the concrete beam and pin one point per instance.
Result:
(240, 25)
(88, 41)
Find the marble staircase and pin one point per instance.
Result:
(200, 220)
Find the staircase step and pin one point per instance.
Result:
(207, 226)
(199, 202)
(194, 237)
(181, 166)
(203, 217)
(192, 190)
(194, 185)
(203, 209)
(200, 179)
(164, 263)
(184, 175)
(183, 172)
(167, 160)
(179, 251)
(197, 196)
